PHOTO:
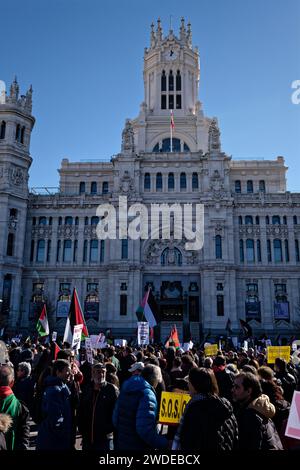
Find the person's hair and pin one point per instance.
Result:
(271, 389)
(204, 381)
(281, 364)
(265, 372)
(220, 361)
(254, 363)
(111, 368)
(25, 367)
(140, 356)
(177, 362)
(113, 379)
(64, 354)
(251, 369)
(59, 365)
(250, 380)
(208, 362)
(152, 374)
(7, 375)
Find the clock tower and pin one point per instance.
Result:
(171, 82)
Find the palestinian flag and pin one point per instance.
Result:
(145, 310)
(54, 350)
(173, 338)
(75, 317)
(42, 325)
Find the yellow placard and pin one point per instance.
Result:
(283, 352)
(211, 350)
(172, 406)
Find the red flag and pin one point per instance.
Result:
(75, 317)
(172, 120)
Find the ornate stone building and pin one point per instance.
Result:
(249, 266)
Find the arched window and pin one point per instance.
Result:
(267, 220)
(248, 220)
(240, 220)
(68, 220)
(295, 220)
(277, 250)
(93, 187)
(94, 220)
(67, 254)
(31, 250)
(2, 130)
(237, 186)
(147, 182)
(102, 250)
(297, 251)
(250, 251)
(218, 247)
(50, 220)
(75, 251)
(276, 220)
(10, 244)
(22, 135)
(182, 181)
(85, 247)
(166, 146)
(42, 221)
(178, 81)
(81, 187)
(159, 182)
(262, 186)
(171, 182)
(94, 251)
(195, 181)
(287, 251)
(257, 220)
(40, 252)
(171, 81)
(124, 250)
(242, 257)
(249, 186)
(48, 251)
(86, 221)
(18, 133)
(284, 220)
(269, 251)
(58, 248)
(163, 81)
(258, 250)
(171, 256)
(105, 187)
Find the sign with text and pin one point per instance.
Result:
(211, 350)
(77, 336)
(54, 336)
(143, 333)
(172, 406)
(120, 342)
(283, 352)
(293, 424)
(88, 349)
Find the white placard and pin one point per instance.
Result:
(143, 333)
(77, 336)
(246, 345)
(120, 342)
(188, 346)
(54, 336)
(268, 342)
(89, 352)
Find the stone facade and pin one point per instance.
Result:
(249, 266)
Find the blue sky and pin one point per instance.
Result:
(84, 59)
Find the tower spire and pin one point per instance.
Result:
(189, 34)
(182, 30)
(152, 36)
(159, 31)
(14, 90)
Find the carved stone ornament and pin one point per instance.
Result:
(214, 144)
(126, 184)
(16, 176)
(155, 248)
(217, 186)
(128, 137)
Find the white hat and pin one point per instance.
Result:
(136, 366)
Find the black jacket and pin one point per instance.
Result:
(208, 424)
(95, 416)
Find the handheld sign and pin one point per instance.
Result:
(293, 424)
(77, 336)
(54, 336)
(283, 352)
(211, 350)
(120, 342)
(88, 349)
(143, 333)
(172, 406)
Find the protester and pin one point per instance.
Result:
(24, 385)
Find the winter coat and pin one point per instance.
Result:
(55, 429)
(5, 424)
(208, 423)
(256, 428)
(95, 416)
(134, 417)
(225, 380)
(24, 391)
(18, 436)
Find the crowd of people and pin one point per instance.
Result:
(112, 402)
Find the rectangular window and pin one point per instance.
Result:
(123, 304)
(178, 101)
(85, 246)
(102, 252)
(163, 102)
(75, 251)
(48, 251)
(32, 250)
(171, 101)
(125, 249)
(220, 305)
(58, 251)
(269, 251)
(297, 251)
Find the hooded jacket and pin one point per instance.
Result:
(256, 429)
(5, 425)
(208, 423)
(134, 417)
